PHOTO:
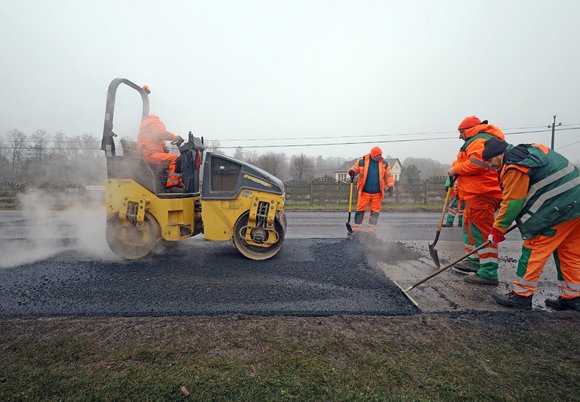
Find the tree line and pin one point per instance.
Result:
(42, 159)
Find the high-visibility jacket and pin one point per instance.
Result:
(361, 167)
(541, 189)
(474, 180)
(152, 136)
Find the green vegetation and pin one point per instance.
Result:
(527, 356)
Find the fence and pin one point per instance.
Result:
(9, 194)
(327, 190)
(320, 191)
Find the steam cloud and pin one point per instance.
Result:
(49, 224)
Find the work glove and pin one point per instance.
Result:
(448, 182)
(495, 236)
(351, 174)
(390, 191)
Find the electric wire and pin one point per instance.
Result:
(321, 137)
(568, 145)
(303, 144)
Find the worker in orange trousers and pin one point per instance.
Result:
(374, 178)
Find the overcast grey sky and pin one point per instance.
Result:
(325, 71)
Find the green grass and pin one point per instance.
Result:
(336, 358)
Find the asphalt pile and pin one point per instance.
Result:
(308, 277)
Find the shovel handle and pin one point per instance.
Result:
(449, 192)
(350, 198)
(475, 250)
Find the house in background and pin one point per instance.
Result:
(342, 173)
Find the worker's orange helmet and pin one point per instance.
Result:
(376, 151)
(469, 122)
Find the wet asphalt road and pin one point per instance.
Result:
(310, 277)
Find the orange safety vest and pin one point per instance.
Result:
(385, 177)
(474, 180)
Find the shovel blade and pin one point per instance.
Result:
(434, 255)
(348, 227)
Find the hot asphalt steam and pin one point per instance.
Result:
(51, 224)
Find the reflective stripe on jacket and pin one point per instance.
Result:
(474, 180)
(553, 193)
(385, 177)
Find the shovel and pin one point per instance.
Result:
(475, 250)
(432, 250)
(348, 227)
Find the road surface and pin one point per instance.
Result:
(57, 263)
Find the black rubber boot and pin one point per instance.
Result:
(564, 304)
(480, 280)
(466, 267)
(513, 300)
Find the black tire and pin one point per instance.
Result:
(255, 252)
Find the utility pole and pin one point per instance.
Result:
(553, 127)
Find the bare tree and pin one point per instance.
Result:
(275, 163)
(213, 146)
(90, 146)
(59, 146)
(251, 157)
(427, 167)
(327, 166)
(16, 143)
(39, 140)
(239, 154)
(302, 167)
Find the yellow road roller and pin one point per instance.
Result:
(222, 198)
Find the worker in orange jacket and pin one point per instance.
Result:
(374, 176)
(151, 146)
(479, 188)
(541, 189)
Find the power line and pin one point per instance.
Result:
(378, 142)
(565, 146)
(310, 144)
(305, 138)
(361, 135)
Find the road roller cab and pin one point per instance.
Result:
(222, 198)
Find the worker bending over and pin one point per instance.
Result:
(541, 192)
(374, 175)
(151, 146)
(479, 188)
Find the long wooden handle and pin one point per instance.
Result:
(475, 250)
(449, 192)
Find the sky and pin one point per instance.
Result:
(347, 75)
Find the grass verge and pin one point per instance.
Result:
(511, 356)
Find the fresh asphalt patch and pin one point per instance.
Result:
(309, 277)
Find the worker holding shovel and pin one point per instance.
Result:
(374, 178)
(479, 188)
(456, 206)
(541, 192)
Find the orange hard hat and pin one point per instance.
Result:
(468, 122)
(376, 151)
